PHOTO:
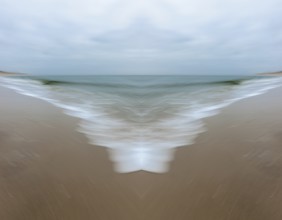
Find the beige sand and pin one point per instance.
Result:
(279, 73)
(49, 172)
(3, 73)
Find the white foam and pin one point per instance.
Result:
(142, 132)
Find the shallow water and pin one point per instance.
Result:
(141, 119)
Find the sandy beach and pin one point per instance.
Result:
(48, 171)
(3, 73)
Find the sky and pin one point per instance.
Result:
(141, 36)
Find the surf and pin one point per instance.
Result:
(141, 120)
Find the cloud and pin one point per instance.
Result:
(140, 37)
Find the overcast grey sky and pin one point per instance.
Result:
(140, 36)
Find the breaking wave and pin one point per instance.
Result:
(141, 120)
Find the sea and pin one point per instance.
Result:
(141, 120)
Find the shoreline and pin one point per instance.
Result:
(3, 73)
(49, 171)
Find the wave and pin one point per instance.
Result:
(142, 125)
(68, 80)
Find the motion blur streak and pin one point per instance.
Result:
(49, 172)
(142, 119)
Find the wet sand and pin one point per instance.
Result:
(48, 171)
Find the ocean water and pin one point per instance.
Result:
(141, 119)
